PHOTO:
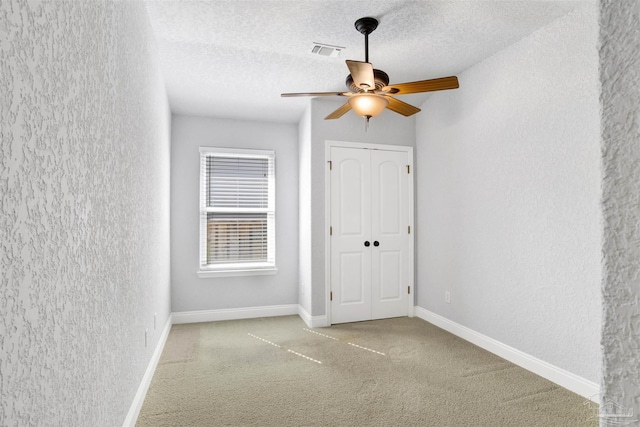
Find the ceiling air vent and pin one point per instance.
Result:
(326, 49)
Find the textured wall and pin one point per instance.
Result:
(190, 292)
(508, 197)
(620, 76)
(84, 210)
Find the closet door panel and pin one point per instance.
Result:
(351, 227)
(389, 228)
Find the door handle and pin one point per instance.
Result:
(366, 243)
(376, 243)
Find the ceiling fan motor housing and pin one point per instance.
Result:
(380, 78)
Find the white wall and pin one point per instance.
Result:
(620, 76)
(304, 199)
(388, 128)
(84, 210)
(188, 291)
(508, 197)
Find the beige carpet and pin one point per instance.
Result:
(393, 372)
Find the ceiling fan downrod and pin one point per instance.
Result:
(366, 26)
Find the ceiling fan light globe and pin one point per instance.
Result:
(368, 104)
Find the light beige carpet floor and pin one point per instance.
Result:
(393, 372)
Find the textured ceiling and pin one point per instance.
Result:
(234, 58)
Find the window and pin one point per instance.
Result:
(237, 212)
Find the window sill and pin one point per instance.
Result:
(230, 272)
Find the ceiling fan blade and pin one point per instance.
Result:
(401, 107)
(362, 74)
(432, 85)
(314, 94)
(339, 112)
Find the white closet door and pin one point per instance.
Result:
(370, 244)
(389, 232)
(351, 227)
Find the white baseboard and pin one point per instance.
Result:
(234, 313)
(138, 400)
(312, 321)
(566, 379)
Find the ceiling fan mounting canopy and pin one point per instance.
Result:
(369, 89)
(366, 25)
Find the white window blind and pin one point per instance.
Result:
(237, 209)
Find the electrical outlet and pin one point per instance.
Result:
(146, 337)
(447, 297)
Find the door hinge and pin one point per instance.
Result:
(408, 168)
(330, 295)
(408, 229)
(409, 289)
(330, 231)
(330, 165)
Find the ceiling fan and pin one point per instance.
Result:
(369, 90)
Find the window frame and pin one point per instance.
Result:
(236, 268)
